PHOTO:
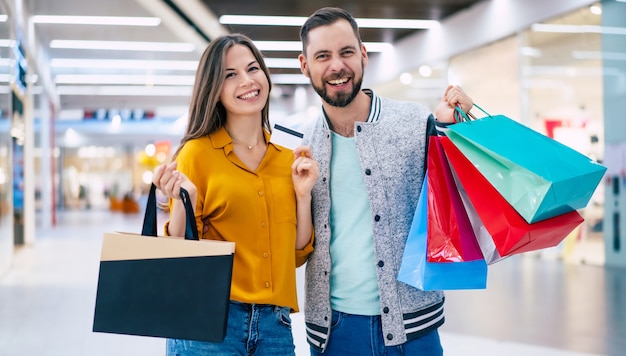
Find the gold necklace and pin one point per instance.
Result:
(250, 147)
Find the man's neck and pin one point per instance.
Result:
(342, 119)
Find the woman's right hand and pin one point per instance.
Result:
(169, 181)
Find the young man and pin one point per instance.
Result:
(371, 153)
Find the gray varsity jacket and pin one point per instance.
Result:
(392, 150)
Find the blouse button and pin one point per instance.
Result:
(260, 193)
(266, 255)
(263, 224)
(267, 284)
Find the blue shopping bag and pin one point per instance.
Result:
(441, 251)
(540, 177)
(417, 271)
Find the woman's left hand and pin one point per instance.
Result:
(304, 171)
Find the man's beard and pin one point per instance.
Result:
(341, 99)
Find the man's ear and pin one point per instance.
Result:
(364, 54)
(303, 65)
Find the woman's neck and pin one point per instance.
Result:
(248, 131)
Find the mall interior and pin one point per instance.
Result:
(84, 122)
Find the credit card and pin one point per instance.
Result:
(286, 137)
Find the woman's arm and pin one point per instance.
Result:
(304, 174)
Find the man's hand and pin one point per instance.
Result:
(444, 112)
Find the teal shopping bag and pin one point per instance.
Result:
(540, 177)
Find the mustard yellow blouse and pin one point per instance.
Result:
(254, 209)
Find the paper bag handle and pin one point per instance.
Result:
(150, 217)
(460, 115)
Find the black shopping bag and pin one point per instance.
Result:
(170, 287)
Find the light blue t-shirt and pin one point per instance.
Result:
(353, 279)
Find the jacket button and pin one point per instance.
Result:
(389, 337)
(381, 263)
(385, 310)
(368, 171)
(358, 128)
(377, 217)
(324, 179)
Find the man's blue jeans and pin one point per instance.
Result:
(253, 329)
(362, 335)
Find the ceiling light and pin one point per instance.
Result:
(297, 46)
(406, 78)
(117, 90)
(425, 71)
(4, 18)
(279, 45)
(124, 45)
(299, 21)
(615, 56)
(262, 20)
(378, 46)
(123, 64)
(530, 52)
(595, 9)
(607, 30)
(397, 23)
(123, 79)
(6, 43)
(151, 64)
(289, 79)
(282, 62)
(97, 20)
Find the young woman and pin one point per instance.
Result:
(247, 190)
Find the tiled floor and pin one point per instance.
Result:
(531, 306)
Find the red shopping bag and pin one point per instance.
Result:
(441, 251)
(511, 234)
(450, 234)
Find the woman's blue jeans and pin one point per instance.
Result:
(363, 336)
(253, 329)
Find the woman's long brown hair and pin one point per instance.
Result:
(206, 112)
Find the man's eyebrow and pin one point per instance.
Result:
(327, 50)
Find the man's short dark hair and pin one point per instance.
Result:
(326, 16)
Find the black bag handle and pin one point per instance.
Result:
(150, 217)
